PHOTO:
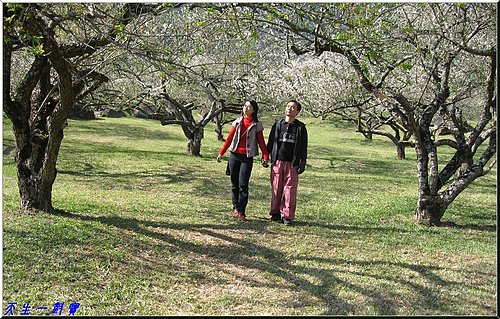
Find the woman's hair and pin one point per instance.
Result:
(255, 117)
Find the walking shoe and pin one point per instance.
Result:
(287, 222)
(242, 217)
(235, 213)
(276, 218)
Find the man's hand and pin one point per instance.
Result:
(301, 168)
(218, 158)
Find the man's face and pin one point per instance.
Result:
(291, 109)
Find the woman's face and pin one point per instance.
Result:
(247, 109)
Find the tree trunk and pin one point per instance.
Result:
(219, 125)
(38, 122)
(37, 173)
(194, 142)
(430, 209)
(400, 148)
(430, 205)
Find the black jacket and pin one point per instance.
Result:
(300, 149)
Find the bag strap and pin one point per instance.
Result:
(247, 130)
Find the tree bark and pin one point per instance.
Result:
(430, 206)
(194, 142)
(36, 165)
(430, 209)
(400, 150)
(218, 126)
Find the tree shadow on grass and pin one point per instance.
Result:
(149, 179)
(117, 129)
(117, 180)
(486, 228)
(292, 274)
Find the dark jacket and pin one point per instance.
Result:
(300, 149)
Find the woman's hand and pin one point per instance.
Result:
(218, 158)
(265, 163)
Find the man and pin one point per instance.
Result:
(287, 147)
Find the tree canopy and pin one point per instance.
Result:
(406, 71)
(419, 62)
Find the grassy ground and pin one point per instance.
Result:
(144, 229)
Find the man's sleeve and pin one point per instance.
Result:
(303, 159)
(270, 140)
(304, 154)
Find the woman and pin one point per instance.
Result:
(244, 136)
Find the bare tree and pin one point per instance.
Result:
(419, 61)
(338, 95)
(198, 60)
(60, 46)
(182, 114)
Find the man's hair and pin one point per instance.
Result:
(299, 107)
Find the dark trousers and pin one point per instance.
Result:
(240, 168)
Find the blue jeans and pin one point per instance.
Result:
(240, 169)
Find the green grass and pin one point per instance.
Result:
(144, 229)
